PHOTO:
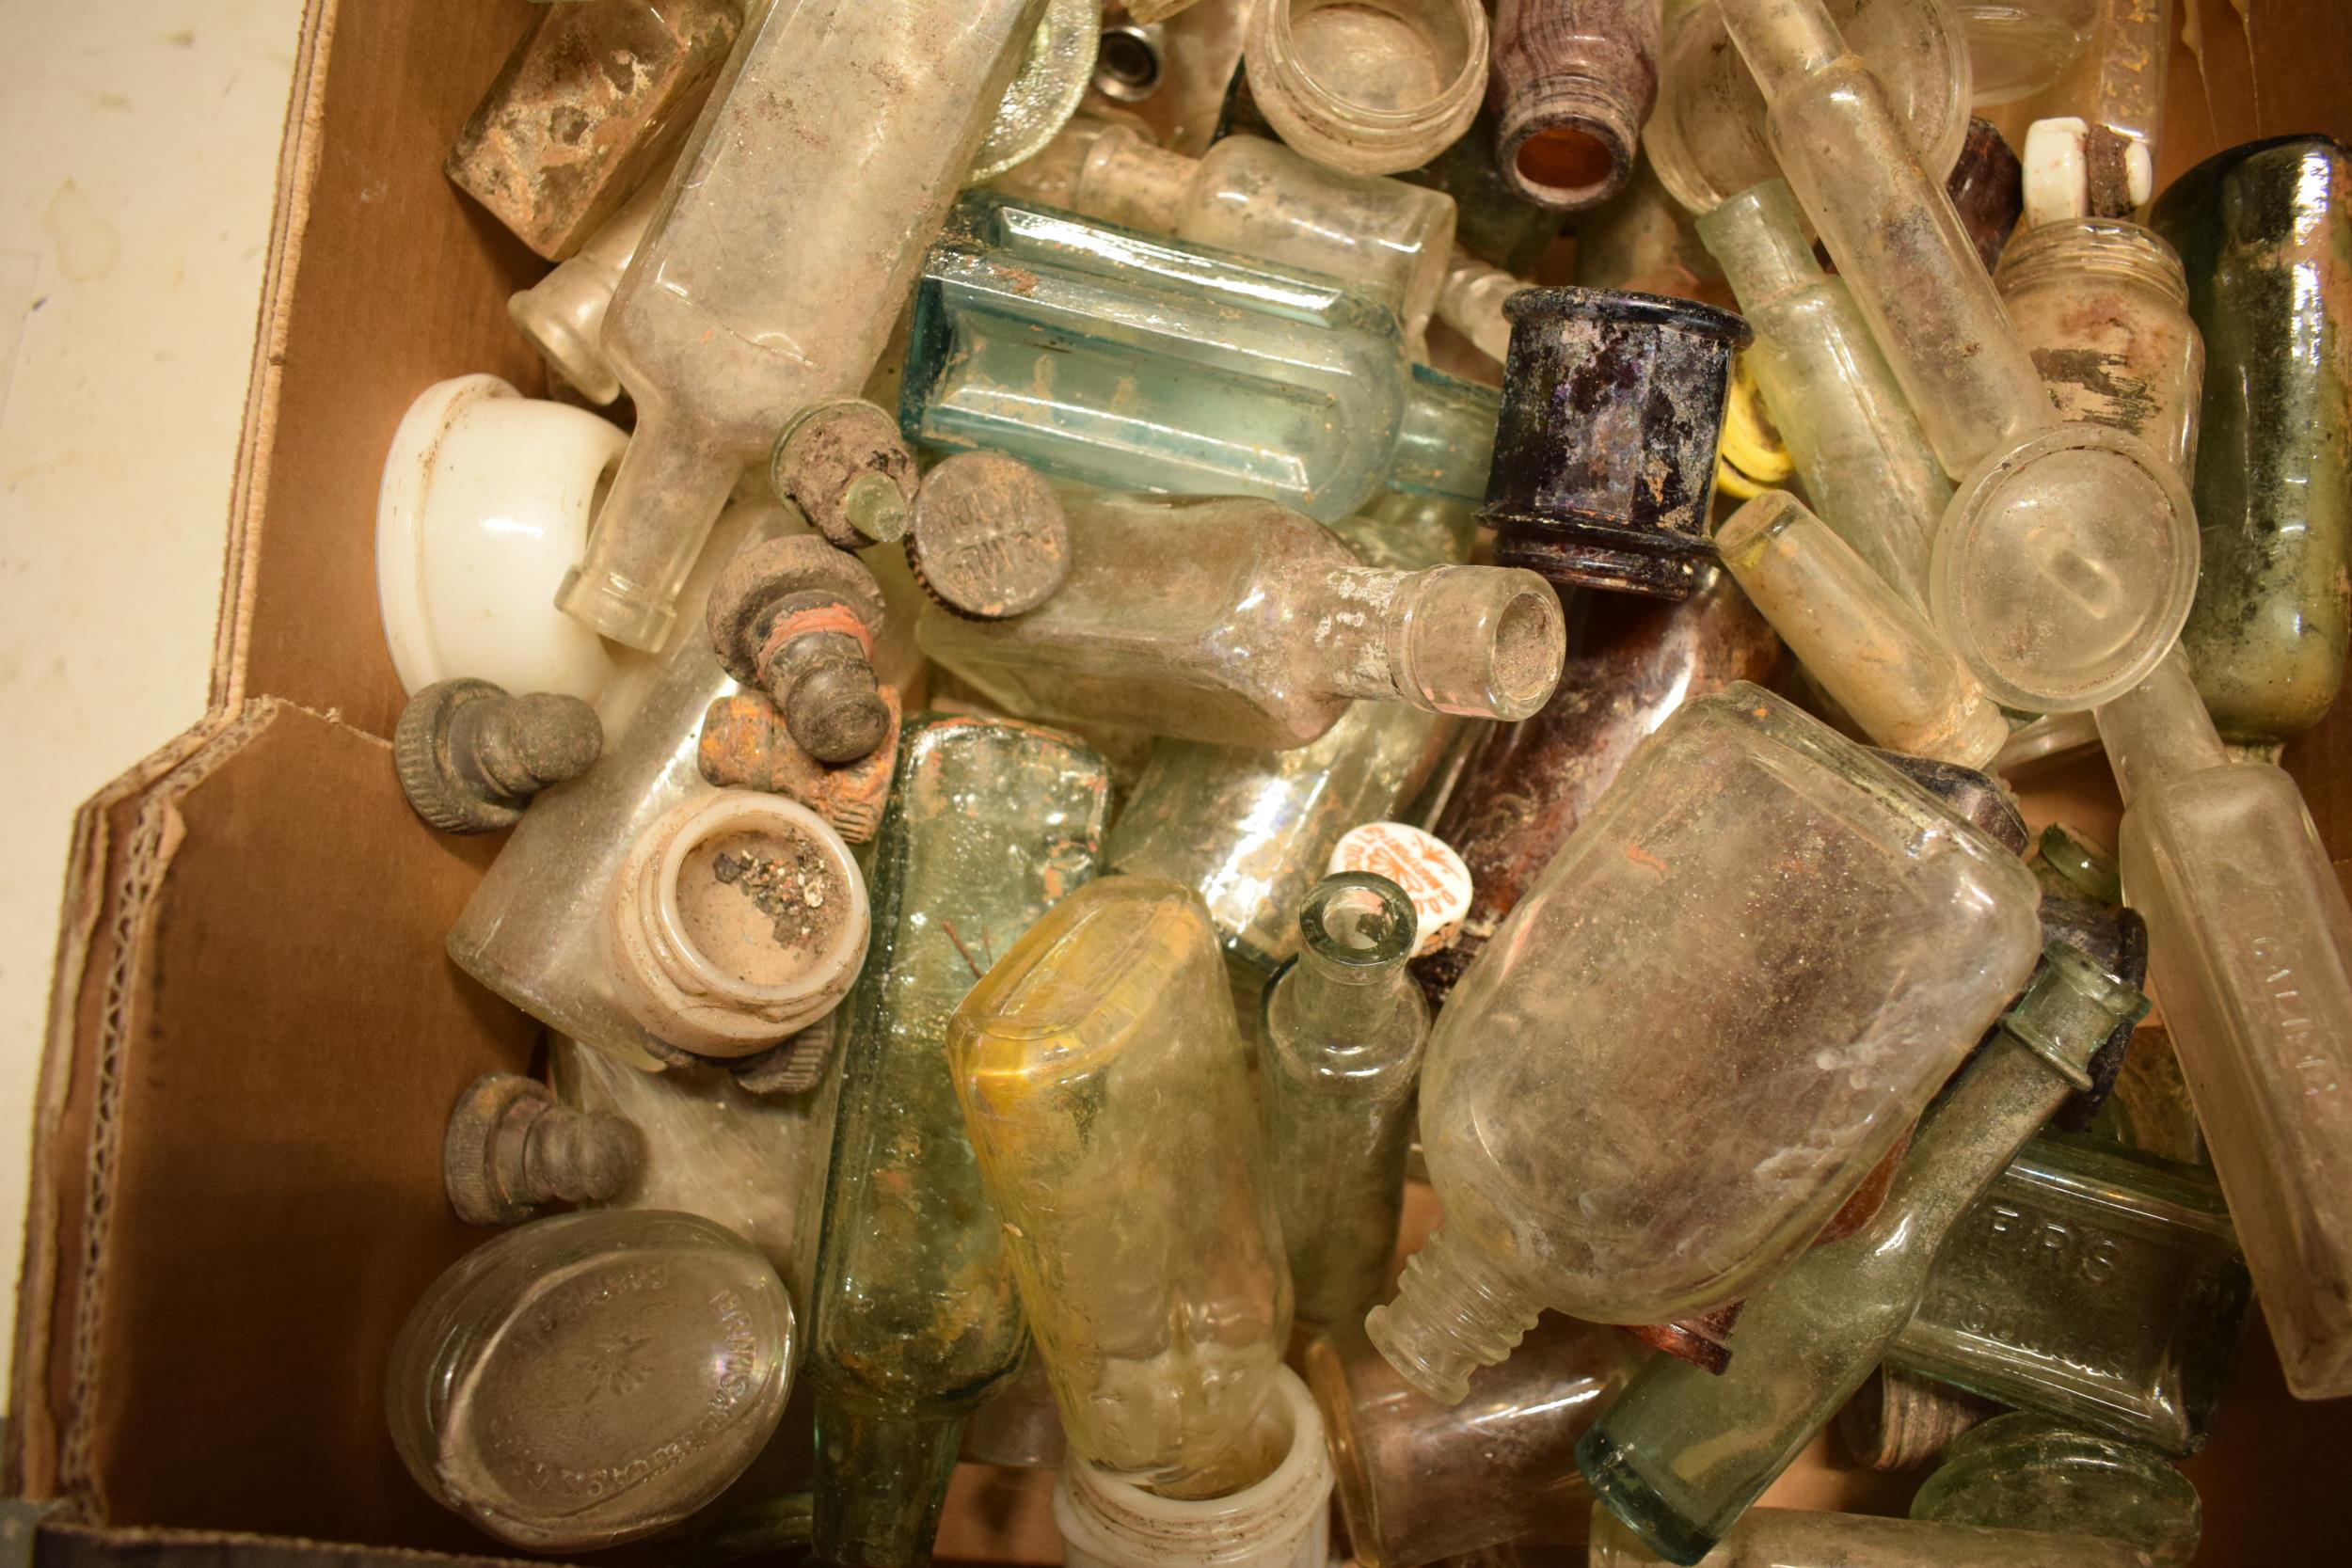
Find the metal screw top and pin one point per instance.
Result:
(990, 540)
(796, 617)
(509, 1149)
(842, 463)
(470, 757)
(795, 1066)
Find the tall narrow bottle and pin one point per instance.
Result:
(915, 1317)
(1106, 1090)
(2250, 944)
(1683, 1455)
(737, 308)
(1867, 471)
(1244, 623)
(1339, 1053)
(1726, 998)
(1795, 1538)
(1252, 829)
(1096, 353)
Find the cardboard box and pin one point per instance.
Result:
(255, 1035)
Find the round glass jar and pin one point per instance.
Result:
(1368, 87)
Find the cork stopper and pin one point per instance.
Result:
(796, 617)
(510, 1149)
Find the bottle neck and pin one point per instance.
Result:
(879, 1483)
(1126, 180)
(1464, 640)
(1445, 443)
(1759, 241)
(2159, 730)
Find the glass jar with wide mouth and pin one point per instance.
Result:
(1368, 87)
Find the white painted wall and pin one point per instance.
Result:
(135, 206)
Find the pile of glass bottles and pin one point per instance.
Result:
(1137, 716)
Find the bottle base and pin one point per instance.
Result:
(1608, 1470)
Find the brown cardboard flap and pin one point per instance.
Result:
(242, 1166)
(381, 280)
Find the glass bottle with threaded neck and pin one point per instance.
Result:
(2264, 235)
(1870, 648)
(2064, 566)
(1797, 1537)
(2250, 943)
(735, 310)
(2103, 307)
(1247, 624)
(916, 1318)
(1339, 1053)
(1096, 353)
(1683, 1455)
(1106, 1091)
(2026, 1471)
(1252, 829)
(1834, 942)
(1387, 240)
(2098, 1285)
(1867, 471)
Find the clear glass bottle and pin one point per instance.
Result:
(1106, 1091)
(2265, 234)
(1368, 89)
(588, 1379)
(1795, 1538)
(1707, 137)
(1250, 830)
(1683, 1453)
(2250, 943)
(1632, 661)
(914, 1316)
(2103, 307)
(736, 310)
(2064, 566)
(562, 314)
(1834, 942)
(1872, 651)
(1386, 240)
(1471, 302)
(2023, 1471)
(1573, 82)
(1867, 471)
(1338, 1055)
(2018, 47)
(2101, 1286)
(711, 1146)
(534, 929)
(1095, 353)
(1244, 623)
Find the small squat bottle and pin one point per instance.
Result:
(1419, 1481)
(1387, 240)
(1798, 1538)
(1683, 1455)
(1368, 103)
(1869, 472)
(590, 1378)
(1106, 1091)
(1339, 1055)
(914, 1319)
(2250, 943)
(1130, 362)
(1870, 649)
(1743, 843)
(2023, 1471)
(1246, 623)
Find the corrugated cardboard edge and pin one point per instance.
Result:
(289, 221)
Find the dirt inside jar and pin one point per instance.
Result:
(762, 907)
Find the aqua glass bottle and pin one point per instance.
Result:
(916, 1319)
(1251, 830)
(1681, 1456)
(1135, 362)
(1338, 1053)
(2100, 1285)
(2026, 1471)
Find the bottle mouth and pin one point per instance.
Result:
(1359, 920)
(1528, 650)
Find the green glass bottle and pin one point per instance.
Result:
(916, 1319)
(1339, 1051)
(1681, 1456)
(2026, 1471)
